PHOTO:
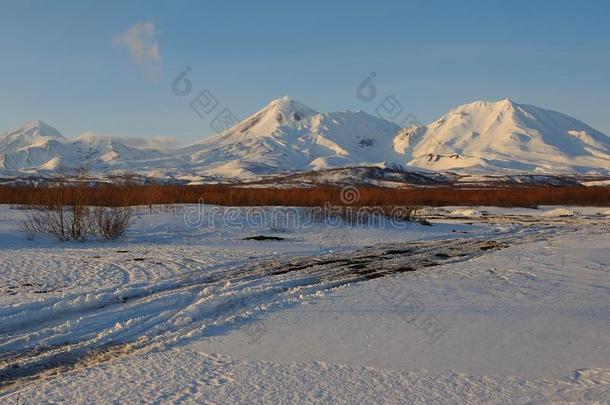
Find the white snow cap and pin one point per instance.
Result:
(37, 127)
(291, 110)
(503, 136)
(482, 137)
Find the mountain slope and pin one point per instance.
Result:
(38, 147)
(505, 136)
(500, 137)
(31, 133)
(286, 136)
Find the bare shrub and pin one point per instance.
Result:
(63, 222)
(43, 222)
(66, 214)
(112, 222)
(78, 222)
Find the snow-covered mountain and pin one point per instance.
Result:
(505, 136)
(38, 147)
(287, 136)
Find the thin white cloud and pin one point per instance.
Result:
(142, 44)
(156, 142)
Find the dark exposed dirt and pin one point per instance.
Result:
(263, 237)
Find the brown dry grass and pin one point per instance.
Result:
(131, 195)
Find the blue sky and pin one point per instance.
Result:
(64, 62)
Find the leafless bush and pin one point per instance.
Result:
(45, 222)
(78, 223)
(63, 222)
(68, 217)
(112, 222)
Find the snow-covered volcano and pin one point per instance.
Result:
(38, 147)
(287, 136)
(505, 136)
(480, 138)
(31, 133)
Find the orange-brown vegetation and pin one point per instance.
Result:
(131, 195)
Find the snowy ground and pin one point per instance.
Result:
(486, 305)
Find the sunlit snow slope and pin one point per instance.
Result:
(504, 135)
(481, 138)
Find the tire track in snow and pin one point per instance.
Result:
(59, 332)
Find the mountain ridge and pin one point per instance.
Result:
(288, 136)
(506, 135)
